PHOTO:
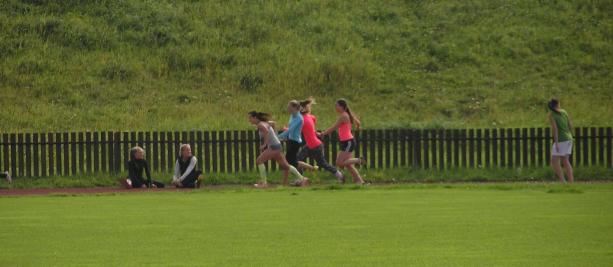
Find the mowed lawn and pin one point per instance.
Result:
(419, 225)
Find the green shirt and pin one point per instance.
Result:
(561, 120)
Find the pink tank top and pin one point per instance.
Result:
(344, 131)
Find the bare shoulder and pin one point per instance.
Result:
(344, 117)
(262, 126)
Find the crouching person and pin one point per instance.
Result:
(186, 175)
(136, 166)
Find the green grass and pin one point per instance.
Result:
(177, 65)
(377, 176)
(416, 225)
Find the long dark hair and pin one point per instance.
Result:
(354, 120)
(552, 104)
(261, 116)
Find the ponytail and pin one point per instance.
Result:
(305, 103)
(354, 120)
(261, 116)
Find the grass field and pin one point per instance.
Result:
(182, 65)
(422, 225)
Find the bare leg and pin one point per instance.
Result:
(301, 180)
(261, 159)
(568, 168)
(285, 175)
(305, 166)
(356, 175)
(557, 169)
(354, 161)
(345, 159)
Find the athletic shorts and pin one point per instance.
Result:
(348, 145)
(566, 148)
(275, 147)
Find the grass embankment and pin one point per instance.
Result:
(177, 65)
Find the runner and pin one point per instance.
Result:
(270, 148)
(314, 147)
(345, 158)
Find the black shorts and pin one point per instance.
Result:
(348, 146)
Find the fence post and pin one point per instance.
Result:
(425, 149)
(441, 148)
(601, 146)
(35, 155)
(463, 134)
(416, 148)
(609, 147)
(81, 158)
(433, 148)
(593, 139)
(27, 144)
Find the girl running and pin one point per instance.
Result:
(562, 129)
(270, 148)
(314, 147)
(292, 134)
(136, 167)
(344, 158)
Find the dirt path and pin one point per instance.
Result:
(71, 191)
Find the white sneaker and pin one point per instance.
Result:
(262, 185)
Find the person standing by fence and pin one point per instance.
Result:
(344, 158)
(562, 147)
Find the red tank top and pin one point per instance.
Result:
(344, 131)
(308, 130)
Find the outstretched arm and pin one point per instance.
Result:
(338, 123)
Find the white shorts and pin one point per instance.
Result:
(566, 148)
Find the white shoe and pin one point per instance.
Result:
(264, 185)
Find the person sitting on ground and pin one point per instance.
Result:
(136, 166)
(7, 175)
(186, 175)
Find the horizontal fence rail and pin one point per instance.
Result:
(79, 153)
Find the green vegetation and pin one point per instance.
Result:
(417, 225)
(322, 178)
(134, 65)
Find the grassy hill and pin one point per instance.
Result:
(127, 64)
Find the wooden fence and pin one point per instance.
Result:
(77, 153)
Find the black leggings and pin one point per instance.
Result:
(139, 182)
(191, 178)
(318, 155)
(292, 153)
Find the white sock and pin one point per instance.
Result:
(262, 169)
(295, 172)
(339, 175)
